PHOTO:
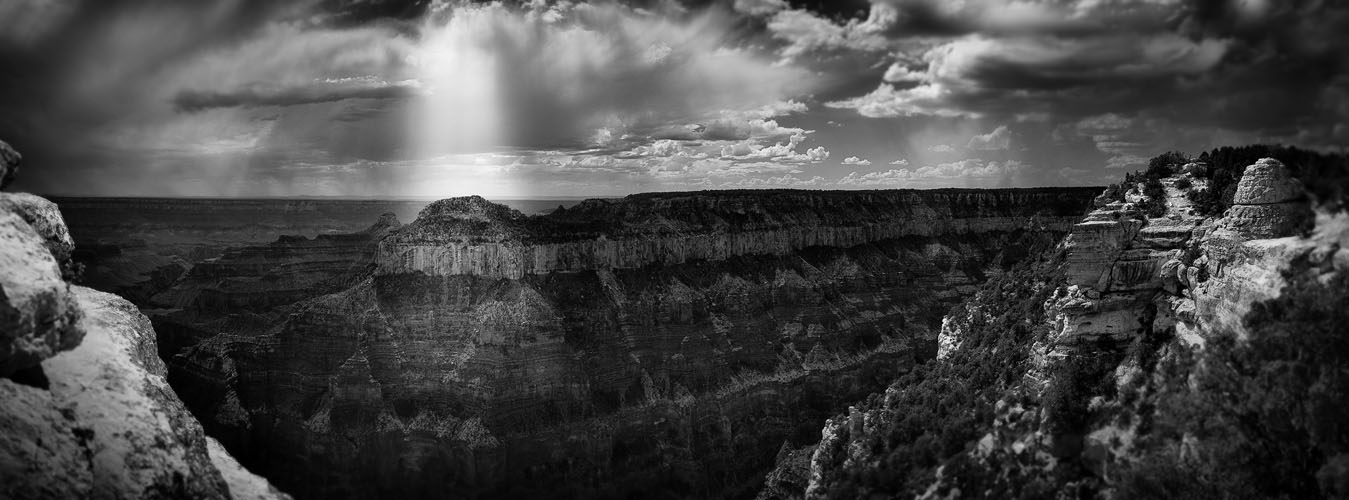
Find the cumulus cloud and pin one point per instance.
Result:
(999, 138)
(901, 72)
(760, 7)
(853, 160)
(780, 151)
(806, 32)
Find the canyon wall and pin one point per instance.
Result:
(1145, 352)
(666, 342)
(87, 410)
(468, 237)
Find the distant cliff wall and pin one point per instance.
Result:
(464, 238)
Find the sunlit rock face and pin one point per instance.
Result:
(667, 342)
(85, 406)
(38, 315)
(1113, 269)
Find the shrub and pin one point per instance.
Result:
(1163, 165)
(1183, 183)
(1205, 202)
(1074, 381)
(1155, 191)
(1115, 192)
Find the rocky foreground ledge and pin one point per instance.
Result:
(85, 407)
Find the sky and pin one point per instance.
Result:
(437, 98)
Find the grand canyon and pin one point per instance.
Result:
(673, 249)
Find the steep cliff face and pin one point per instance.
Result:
(1140, 359)
(671, 342)
(87, 410)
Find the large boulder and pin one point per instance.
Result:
(45, 218)
(1269, 203)
(9, 164)
(38, 316)
(1267, 181)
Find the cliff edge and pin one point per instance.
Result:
(88, 412)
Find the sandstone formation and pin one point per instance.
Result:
(667, 342)
(1269, 203)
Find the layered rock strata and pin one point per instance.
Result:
(470, 236)
(569, 368)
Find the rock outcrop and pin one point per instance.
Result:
(9, 164)
(1269, 203)
(87, 410)
(664, 341)
(38, 315)
(107, 425)
(45, 218)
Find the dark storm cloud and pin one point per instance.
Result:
(254, 97)
(1242, 65)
